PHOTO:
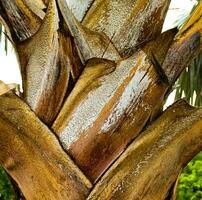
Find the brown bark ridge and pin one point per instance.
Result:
(46, 66)
(186, 49)
(151, 164)
(109, 106)
(32, 155)
(127, 23)
(90, 44)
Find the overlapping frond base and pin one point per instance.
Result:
(94, 79)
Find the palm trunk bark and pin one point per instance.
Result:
(92, 83)
(32, 155)
(151, 164)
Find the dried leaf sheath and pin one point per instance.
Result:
(107, 102)
(106, 129)
(33, 157)
(90, 44)
(45, 67)
(108, 16)
(20, 19)
(128, 23)
(184, 44)
(4, 88)
(151, 164)
(187, 49)
(144, 24)
(111, 103)
(37, 7)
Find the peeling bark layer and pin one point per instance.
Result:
(151, 164)
(31, 154)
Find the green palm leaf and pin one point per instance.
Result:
(189, 84)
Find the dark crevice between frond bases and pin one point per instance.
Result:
(18, 193)
(146, 73)
(169, 195)
(189, 84)
(45, 9)
(159, 70)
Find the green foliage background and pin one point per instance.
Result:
(190, 184)
(6, 190)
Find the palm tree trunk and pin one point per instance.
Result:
(93, 86)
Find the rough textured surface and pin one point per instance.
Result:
(151, 164)
(108, 15)
(90, 44)
(37, 7)
(46, 63)
(108, 101)
(127, 23)
(113, 100)
(79, 7)
(34, 158)
(187, 48)
(21, 18)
